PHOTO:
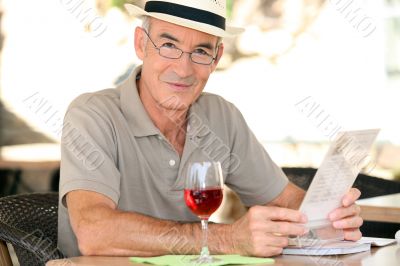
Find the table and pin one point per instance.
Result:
(19, 158)
(388, 256)
(30, 156)
(381, 209)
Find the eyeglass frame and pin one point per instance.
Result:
(182, 52)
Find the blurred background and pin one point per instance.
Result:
(302, 71)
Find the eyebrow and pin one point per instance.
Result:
(206, 45)
(168, 36)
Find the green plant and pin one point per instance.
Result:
(118, 3)
(229, 7)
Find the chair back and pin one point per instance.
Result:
(29, 223)
(370, 186)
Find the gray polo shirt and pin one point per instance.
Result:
(111, 146)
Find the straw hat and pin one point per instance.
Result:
(208, 16)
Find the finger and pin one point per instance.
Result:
(285, 228)
(267, 251)
(268, 245)
(275, 240)
(273, 251)
(351, 222)
(352, 234)
(283, 214)
(342, 212)
(351, 197)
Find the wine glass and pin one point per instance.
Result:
(203, 195)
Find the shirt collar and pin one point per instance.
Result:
(133, 109)
(198, 124)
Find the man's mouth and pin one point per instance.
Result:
(179, 86)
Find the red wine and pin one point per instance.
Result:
(203, 202)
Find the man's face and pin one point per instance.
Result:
(173, 83)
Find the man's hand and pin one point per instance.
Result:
(264, 230)
(348, 217)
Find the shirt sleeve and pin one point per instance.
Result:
(88, 153)
(252, 173)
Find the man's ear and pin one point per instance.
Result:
(220, 52)
(139, 43)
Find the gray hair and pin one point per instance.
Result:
(146, 27)
(146, 23)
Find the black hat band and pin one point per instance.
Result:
(186, 12)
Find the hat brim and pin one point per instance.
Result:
(203, 27)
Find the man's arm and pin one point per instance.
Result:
(101, 229)
(291, 197)
(263, 231)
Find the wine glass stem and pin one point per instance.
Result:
(204, 248)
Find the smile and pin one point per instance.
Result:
(179, 86)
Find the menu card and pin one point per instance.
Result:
(347, 155)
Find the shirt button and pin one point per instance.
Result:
(159, 137)
(171, 162)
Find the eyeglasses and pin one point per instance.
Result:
(199, 57)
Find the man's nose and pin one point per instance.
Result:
(184, 65)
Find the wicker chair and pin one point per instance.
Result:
(29, 223)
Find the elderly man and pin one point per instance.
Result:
(124, 150)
